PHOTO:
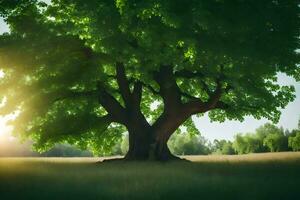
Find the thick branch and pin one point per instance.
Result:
(215, 96)
(111, 105)
(132, 99)
(198, 106)
(131, 115)
(76, 94)
(123, 83)
(137, 94)
(169, 89)
(167, 124)
(222, 105)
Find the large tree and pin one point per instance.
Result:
(86, 71)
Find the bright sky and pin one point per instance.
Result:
(226, 130)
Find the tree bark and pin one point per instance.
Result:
(150, 142)
(142, 146)
(139, 144)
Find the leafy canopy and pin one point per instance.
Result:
(56, 55)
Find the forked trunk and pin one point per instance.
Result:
(150, 142)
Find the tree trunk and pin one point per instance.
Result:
(143, 146)
(148, 142)
(139, 146)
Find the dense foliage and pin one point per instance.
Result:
(84, 72)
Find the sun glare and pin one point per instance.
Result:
(5, 130)
(2, 74)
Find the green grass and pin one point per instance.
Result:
(253, 177)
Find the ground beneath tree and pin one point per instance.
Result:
(255, 176)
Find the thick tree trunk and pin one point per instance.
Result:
(162, 152)
(144, 146)
(149, 142)
(139, 146)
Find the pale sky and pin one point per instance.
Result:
(227, 129)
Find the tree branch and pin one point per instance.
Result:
(222, 105)
(111, 105)
(150, 88)
(169, 89)
(123, 83)
(215, 96)
(198, 106)
(137, 93)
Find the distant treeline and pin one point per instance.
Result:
(14, 148)
(266, 138)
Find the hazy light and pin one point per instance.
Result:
(2, 74)
(4, 128)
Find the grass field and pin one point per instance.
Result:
(253, 177)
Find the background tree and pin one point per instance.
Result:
(12, 147)
(84, 72)
(248, 143)
(276, 142)
(294, 142)
(186, 144)
(65, 150)
(272, 138)
(227, 149)
(223, 147)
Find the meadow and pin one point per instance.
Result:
(252, 177)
